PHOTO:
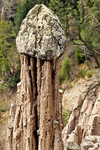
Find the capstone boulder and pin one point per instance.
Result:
(41, 34)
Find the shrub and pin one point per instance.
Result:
(89, 73)
(65, 115)
(60, 78)
(2, 88)
(2, 110)
(80, 57)
(65, 70)
(81, 73)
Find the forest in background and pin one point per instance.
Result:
(81, 22)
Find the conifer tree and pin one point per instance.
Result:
(22, 10)
(7, 45)
(26, 7)
(59, 9)
(19, 16)
(9, 58)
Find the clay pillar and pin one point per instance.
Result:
(37, 124)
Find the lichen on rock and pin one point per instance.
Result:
(41, 34)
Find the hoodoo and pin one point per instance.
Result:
(35, 121)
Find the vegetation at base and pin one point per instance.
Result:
(81, 73)
(65, 70)
(84, 71)
(3, 106)
(65, 116)
(79, 55)
(89, 73)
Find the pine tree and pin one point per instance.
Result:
(9, 57)
(19, 16)
(22, 10)
(87, 26)
(26, 7)
(7, 45)
(59, 9)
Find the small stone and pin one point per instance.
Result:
(55, 123)
(61, 91)
(38, 132)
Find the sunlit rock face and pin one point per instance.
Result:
(41, 34)
(83, 128)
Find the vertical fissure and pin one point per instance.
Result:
(35, 75)
(35, 131)
(35, 109)
(30, 73)
(53, 83)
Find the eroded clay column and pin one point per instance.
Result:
(37, 124)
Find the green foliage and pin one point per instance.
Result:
(60, 77)
(59, 9)
(90, 3)
(66, 67)
(22, 10)
(80, 57)
(8, 55)
(19, 16)
(65, 70)
(89, 73)
(87, 25)
(3, 106)
(96, 9)
(26, 7)
(6, 46)
(2, 88)
(65, 116)
(81, 73)
(80, 21)
(2, 110)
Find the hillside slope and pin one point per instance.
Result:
(5, 102)
(83, 128)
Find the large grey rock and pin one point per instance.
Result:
(84, 122)
(91, 143)
(41, 34)
(72, 146)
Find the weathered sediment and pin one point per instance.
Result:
(36, 119)
(83, 129)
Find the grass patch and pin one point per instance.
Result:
(64, 74)
(65, 115)
(89, 73)
(83, 71)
